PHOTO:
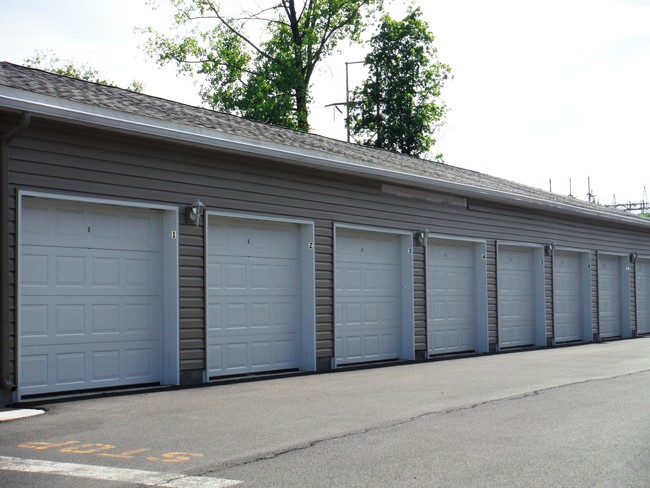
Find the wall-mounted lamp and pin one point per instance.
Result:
(194, 212)
(418, 236)
(632, 258)
(548, 249)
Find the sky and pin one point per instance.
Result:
(544, 92)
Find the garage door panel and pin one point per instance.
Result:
(252, 276)
(126, 230)
(367, 346)
(254, 296)
(349, 347)
(451, 283)
(367, 280)
(69, 225)
(568, 296)
(262, 352)
(374, 312)
(516, 296)
(56, 319)
(368, 296)
(256, 239)
(63, 367)
(60, 224)
(90, 296)
(56, 271)
(250, 316)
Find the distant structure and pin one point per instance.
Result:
(590, 194)
(635, 207)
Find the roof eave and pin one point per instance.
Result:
(80, 113)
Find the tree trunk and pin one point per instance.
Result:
(302, 110)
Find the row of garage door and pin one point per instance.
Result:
(98, 288)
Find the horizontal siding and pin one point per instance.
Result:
(324, 246)
(594, 294)
(419, 297)
(12, 299)
(493, 312)
(548, 296)
(633, 298)
(88, 162)
(192, 296)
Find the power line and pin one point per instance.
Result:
(641, 207)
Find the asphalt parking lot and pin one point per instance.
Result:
(575, 416)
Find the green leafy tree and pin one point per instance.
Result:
(48, 61)
(260, 64)
(398, 107)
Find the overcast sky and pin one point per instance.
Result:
(551, 90)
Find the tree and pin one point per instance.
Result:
(48, 61)
(260, 64)
(397, 107)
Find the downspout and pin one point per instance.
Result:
(5, 330)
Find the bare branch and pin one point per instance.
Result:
(225, 22)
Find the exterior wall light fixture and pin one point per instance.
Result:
(548, 249)
(194, 212)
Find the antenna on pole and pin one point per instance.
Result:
(590, 195)
(347, 96)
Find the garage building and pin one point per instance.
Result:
(147, 242)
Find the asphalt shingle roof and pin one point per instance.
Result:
(109, 97)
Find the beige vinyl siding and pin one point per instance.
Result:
(191, 296)
(493, 310)
(633, 298)
(548, 296)
(94, 163)
(420, 297)
(324, 289)
(594, 293)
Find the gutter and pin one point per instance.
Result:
(61, 109)
(5, 332)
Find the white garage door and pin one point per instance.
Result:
(368, 283)
(609, 296)
(516, 295)
(90, 303)
(567, 296)
(254, 296)
(643, 296)
(451, 293)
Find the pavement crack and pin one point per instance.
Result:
(387, 425)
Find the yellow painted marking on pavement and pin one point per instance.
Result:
(124, 455)
(76, 447)
(41, 446)
(105, 473)
(88, 448)
(175, 457)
